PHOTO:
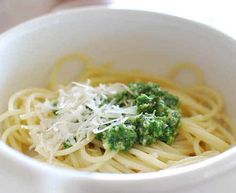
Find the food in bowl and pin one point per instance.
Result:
(118, 121)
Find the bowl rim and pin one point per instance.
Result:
(188, 170)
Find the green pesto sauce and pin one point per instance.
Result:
(158, 118)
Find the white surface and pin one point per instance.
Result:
(130, 39)
(216, 13)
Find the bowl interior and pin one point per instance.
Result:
(145, 41)
(129, 39)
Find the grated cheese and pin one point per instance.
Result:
(80, 112)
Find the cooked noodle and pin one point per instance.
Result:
(205, 129)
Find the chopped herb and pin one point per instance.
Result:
(54, 104)
(119, 138)
(159, 118)
(76, 121)
(69, 142)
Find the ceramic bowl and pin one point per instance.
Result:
(147, 41)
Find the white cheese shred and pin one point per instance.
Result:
(79, 112)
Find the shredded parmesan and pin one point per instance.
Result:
(80, 111)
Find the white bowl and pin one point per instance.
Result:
(131, 39)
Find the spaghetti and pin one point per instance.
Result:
(205, 129)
